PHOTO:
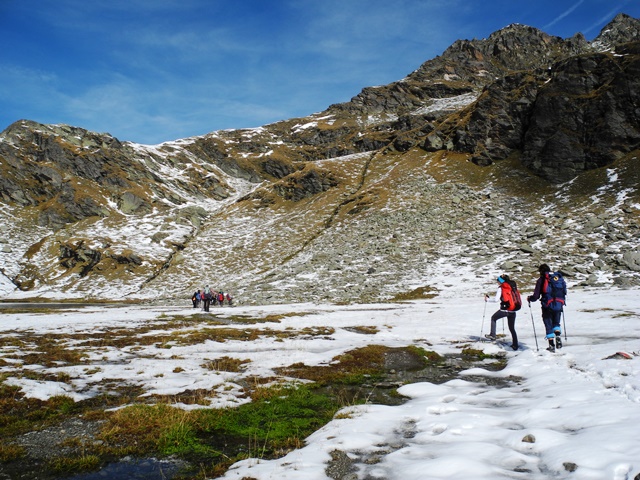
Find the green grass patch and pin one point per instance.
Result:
(429, 355)
(274, 423)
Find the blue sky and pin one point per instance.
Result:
(149, 71)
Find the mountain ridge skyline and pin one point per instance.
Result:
(148, 72)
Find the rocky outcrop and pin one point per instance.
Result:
(305, 184)
(495, 125)
(69, 174)
(622, 29)
(586, 116)
(72, 256)
(556, 102)
(579, 115)
(465, 66)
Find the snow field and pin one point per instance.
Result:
(577, 409)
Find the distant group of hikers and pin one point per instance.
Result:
(207, 296)
(550, 289)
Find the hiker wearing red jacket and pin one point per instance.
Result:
(507, 309)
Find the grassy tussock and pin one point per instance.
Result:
(274, 423)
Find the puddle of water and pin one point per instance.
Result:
(140, 469)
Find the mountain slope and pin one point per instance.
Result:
(456, 167)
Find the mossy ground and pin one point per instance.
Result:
(278, 413)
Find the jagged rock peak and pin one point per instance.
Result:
(622, 29)
(28, 130)
(31, 125)
(518, 30)
(520, 46)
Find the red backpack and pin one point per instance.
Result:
(510, 296)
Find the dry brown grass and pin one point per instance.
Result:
(226, 364)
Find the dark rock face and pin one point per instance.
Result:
(587, 116)
(305, 184)
(578, 115)
(498, 121)
(277, 168)
(79, 255)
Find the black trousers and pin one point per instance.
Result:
(511, 322)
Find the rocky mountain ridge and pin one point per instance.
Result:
(498, 154)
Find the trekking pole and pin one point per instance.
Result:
(564, 326)
(483, 314)
(533, 324)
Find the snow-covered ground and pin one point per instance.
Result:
(573, 414)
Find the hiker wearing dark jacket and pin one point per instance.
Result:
(195, 298)
(207, 298)
(501, 313)
(550, 318)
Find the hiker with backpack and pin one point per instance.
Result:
(207, 298)
(510, 302)
(195, 298)
(551, 289)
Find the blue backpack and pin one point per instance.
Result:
(555, 291)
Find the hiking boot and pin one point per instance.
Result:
(558, 341)
(490, 337)
(552, 346)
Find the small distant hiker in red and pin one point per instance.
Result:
(509, 299)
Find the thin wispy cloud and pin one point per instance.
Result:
(604, 19)
(184, 67)
(563, 15)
